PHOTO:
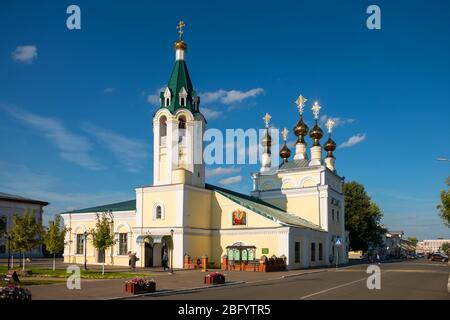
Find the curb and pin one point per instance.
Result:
(175, 291)
(302, 274)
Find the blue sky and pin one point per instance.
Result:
(76, 106)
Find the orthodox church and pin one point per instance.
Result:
(294, 211)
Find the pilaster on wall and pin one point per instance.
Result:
(323, 200)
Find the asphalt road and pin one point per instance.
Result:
(418, 279)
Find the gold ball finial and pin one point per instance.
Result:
(285, 152)
(316, 109)
(266, 119)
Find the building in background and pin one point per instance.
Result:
(430, 246)
(11, 205)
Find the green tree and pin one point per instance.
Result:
(103, 236)
(413, 240)
(54, 238)
(362, 217)
(446, 248)
(25, 234)
(444, 206)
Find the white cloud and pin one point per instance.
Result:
(72, 147)
(210, 113)
(130, 152)
(220, 171)
(229, 97)
(25, 54)
(338, 122)
(154, 98)
(353, 141)
(108, 90)
(231, 180)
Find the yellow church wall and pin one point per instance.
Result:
(306, 207)
(198, 208)
(198, 246)
(167, 199)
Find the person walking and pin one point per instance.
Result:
(165, 259)
(133, 260)
(129, 259)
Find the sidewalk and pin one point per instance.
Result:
(182, 280)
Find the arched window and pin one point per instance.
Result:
(181, 122)
(158, 212)
(183, 102)
(167, 102)
(163, 126)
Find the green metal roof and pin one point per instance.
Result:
(294, 164)
(179, 79)
(264, 209)
(118, 206)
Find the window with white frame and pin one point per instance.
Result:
(158, 212)
(80, 243)
(123, 243)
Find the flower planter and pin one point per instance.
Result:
(213, 279)
(140, 286)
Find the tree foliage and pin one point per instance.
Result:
(54, 236)
(102, 235)
(362, 217)
(413, 240)
(446, 247)
(26, 232)
(444, 206)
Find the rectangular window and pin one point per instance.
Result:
(332, 214)
(123, 244)
(320, 252)
(80, 244)
(337, 215)
(2, 225)
(313, 252)
(297, 252)
(2, 248)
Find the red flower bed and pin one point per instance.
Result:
(139, 285)
(214, 278)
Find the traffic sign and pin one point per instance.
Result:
(338, 241)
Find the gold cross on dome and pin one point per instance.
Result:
(330, 124)
(316, 109)
(180, 27)
(285, 133)
(301, 100)
(266, 119)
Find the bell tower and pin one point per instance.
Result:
(178, 127)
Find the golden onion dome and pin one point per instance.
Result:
(329, 147)
(285, 153)
(180, 44)
(266, 140)
(316, 134)
(301, 130)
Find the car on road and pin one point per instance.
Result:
(439, 256)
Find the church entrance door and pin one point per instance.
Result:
(148, 262)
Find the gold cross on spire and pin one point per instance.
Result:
(330, 124)
(266, 119)
(285, 133)
(301, 100)
(180, 27)
(316, 109)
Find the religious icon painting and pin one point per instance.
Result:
(239, 218)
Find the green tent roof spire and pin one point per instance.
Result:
(180, 93)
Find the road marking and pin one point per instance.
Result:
(333, 288)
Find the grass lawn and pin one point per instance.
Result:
(89, 274)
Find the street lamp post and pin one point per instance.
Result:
(171, 252)
(84, 249)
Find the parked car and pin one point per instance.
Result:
(439, 256)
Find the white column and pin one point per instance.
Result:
(156, 149)
(300, 151)
(316, 156)
(171, 148)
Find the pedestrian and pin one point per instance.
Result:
(129, 259)
(133, 260)
(165, 259)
